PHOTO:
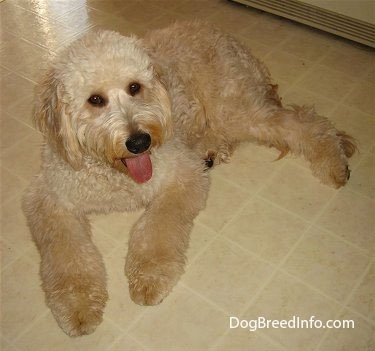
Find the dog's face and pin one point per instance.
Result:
(102, 97)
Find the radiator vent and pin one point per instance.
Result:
(317, 17)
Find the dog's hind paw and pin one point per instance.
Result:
(332, 166)
(332, 172)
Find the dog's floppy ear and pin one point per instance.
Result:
(162, 96)
(51, 116)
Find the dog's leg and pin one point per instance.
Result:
(72, 271)
(301, 131)
(156, 256)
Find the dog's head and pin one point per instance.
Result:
(103, 98)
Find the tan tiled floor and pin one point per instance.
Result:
(272, 241)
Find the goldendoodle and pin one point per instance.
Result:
(135, 123)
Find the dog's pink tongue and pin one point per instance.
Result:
(140, 168)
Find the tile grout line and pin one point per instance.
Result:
(30, 326)
(122, 333)
(250, 302)
(345, 303)
(315, 64)
(356, 286)
(313, 222)
(250, 198)
(363, 251)
(19, 255)
(212, 303)
(265, 283)
(282, 261)
(232, 218)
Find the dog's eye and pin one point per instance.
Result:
(134, 88)
(96, 100)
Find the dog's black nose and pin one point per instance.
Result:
(138, 143)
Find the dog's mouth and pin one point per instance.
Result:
(139, 167)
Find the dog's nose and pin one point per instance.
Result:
(138, 143)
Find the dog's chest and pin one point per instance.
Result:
(98, 189)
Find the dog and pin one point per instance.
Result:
(133, 123)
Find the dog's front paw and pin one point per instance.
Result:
(78, 312)
(150, 283)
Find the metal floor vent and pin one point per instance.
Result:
(317, 17)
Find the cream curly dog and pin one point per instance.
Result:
(131, 123)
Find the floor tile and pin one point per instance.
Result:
(195, 327)
(49, 9)
(285, 66)
(239, 275)
(4, 72)
(284, 298)
(370, 75)
(45, 332)
(139, 12)
(257, 212)
(120, 25)
(270, 30)
(361, 98)
(24, 164)
(310, 45)
(239, 339)
(83, 18)
(223, 202)
(17, 53)
(126, 343)
(361, 337)
(6, 346)
(44, 32)
(11, 186)
(14, 228)
(353, 61)
(12, 131)
(363, 179)
(116, 225)
(297, 94)
(257, 49)
(328, 82)
(265, 230)
(22, 297)
(120, 308)
(21, 109)
(327, 263)
(200, 237)
(105, 244)
(359, 125)
(353, 223)
(295, 189)
(363, 300)
(232, 18)
(110, 7)
(14, 88)
(250, 167)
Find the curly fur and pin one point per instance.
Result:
(202, 93)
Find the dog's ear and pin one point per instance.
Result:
(52, 118)
(161, 93)
(45, 106)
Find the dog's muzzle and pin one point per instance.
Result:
(138, 143)
(139, 165)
